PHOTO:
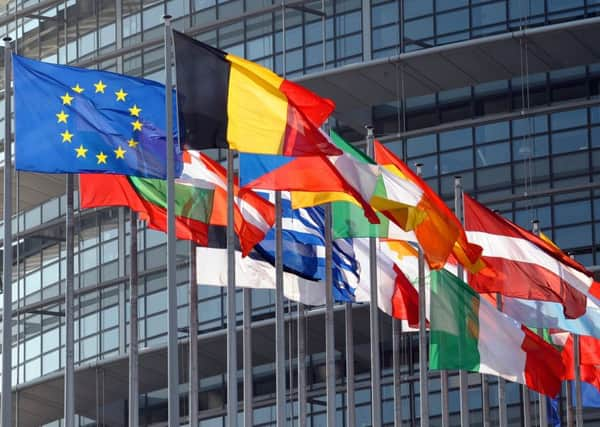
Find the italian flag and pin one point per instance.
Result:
(468, 333)
(200, 201)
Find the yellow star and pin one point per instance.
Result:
(81, 151)
(66, 99)
(135, 111)
(100, 86)
(132, 143)
(62, 117)
(137, 125)
(101, 157)
(121, 95)
(120, 153)
(77, 88)
(66, 136)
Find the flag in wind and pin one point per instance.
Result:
(440, 233)
(467, 332)
(524, 265)
(73, 120)
(229, 102)
(303, 260)
(327, 178)
(200, 201)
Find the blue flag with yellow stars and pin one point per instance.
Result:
(73, 120)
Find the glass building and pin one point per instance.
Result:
(504, 93)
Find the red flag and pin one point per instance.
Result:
(523, 265)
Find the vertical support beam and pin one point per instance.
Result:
(463, 376)
(69, 389)
(397, 366)
(172, 353)
(350, 401)
(329, 330)
(502, 409)
(7, 258)
(193, 334)
(232, 392)
(133, 325)
(374, 313)
(578, 397)
(366, 33)
(247, 356)
(301, 366)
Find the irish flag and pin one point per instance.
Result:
(200, 201)
(469, 333)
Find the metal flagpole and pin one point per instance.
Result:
(133, 324)
(7, 419)
(69, 389)
(301, 366)
(172, 356)
(350, 401)
(543, 404)
(397, 365)
(232, 399)
(247, 357)
(279, 321)
(329, 332)
(578, 397)
(374, 313)
(444, 397)
(526, 406)
(193, 334)
(568, 398)
(502, 410)
(463, 376)
(423, 370)
(485, 397)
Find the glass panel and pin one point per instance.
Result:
(492, 154)
(456, 161)
(421, 145)
(491, 132)
(455, 139)
(574, 140)
(568, 119)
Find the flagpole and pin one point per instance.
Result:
(69, 388)
(423, 370)
(279, 321)
(329, 332)
(301, 366)
(374, 313)
(463, 375)
(543, 404)
(350, 401)
(172, 356)
(568, 398)
(247, 357)
(578, 396)
(502, 410)
(526, 406)
(485, 397)
(232, 398)
(133, 403)
(397, 365)
(193, 334)
(7, 418)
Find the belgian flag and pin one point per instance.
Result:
(225, 101)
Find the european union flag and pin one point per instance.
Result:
(73, 120)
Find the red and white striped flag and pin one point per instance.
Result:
(522, 265)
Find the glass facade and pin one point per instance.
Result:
(505, 138)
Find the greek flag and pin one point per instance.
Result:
(304, 249)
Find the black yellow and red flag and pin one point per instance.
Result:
(225, 101)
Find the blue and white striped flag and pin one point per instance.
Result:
(304, 249)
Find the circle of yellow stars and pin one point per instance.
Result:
(81, 152)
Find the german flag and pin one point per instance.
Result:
(228, 102)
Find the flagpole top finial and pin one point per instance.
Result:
(167, 17)
(7, 39)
